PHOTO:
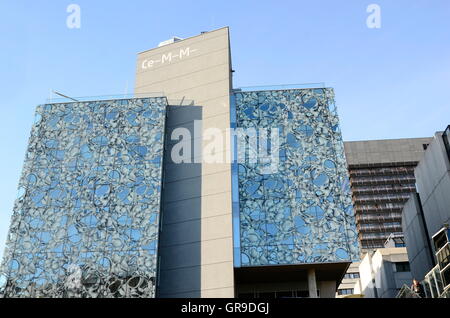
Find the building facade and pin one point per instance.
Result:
(300, 214)
(86, 222)
(441, 272)
(433, 182)
(351, 282)
(197, 240)
(384, 272)
(202, 191)
(435, 283)
(427, 212)
(382, 179)
(418, 241)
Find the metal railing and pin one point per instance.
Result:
(279, 87)
(406, 292)
(71, 99)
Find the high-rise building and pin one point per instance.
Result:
(200, 191)
(382, 179)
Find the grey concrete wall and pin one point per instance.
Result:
(433, 184)
(384, 151)
(416, 239)
(381, 266)
(391, 281)
(180, 236)
(327, 289)
(196, 69)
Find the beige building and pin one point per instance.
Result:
(195, 71)
(350, 282)
(384, 272)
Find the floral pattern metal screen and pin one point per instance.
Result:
(86, 221)
(303, 212)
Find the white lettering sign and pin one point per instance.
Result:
(168, 58)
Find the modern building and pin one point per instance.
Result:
(433, 285)
(427, 211)
(418, 241)
(196, 246)
(436, 283)
(350, 286)
(381, 179)
(433, 182)
(384, 272)
(200, 191)
(296, 222)
(350, 280)
(86, 222)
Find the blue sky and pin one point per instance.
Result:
(391, 82)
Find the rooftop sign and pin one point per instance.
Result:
(168, 58)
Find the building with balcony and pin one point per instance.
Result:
(382, 179)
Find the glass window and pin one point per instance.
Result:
(351, 276)
(426, 287)
(402, 267)
(272, 205)
(78, 177)
(433, 287)
(443, 256)
(446, 277)
(346, 291)
(442, 278)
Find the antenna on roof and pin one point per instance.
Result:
(62, 95)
